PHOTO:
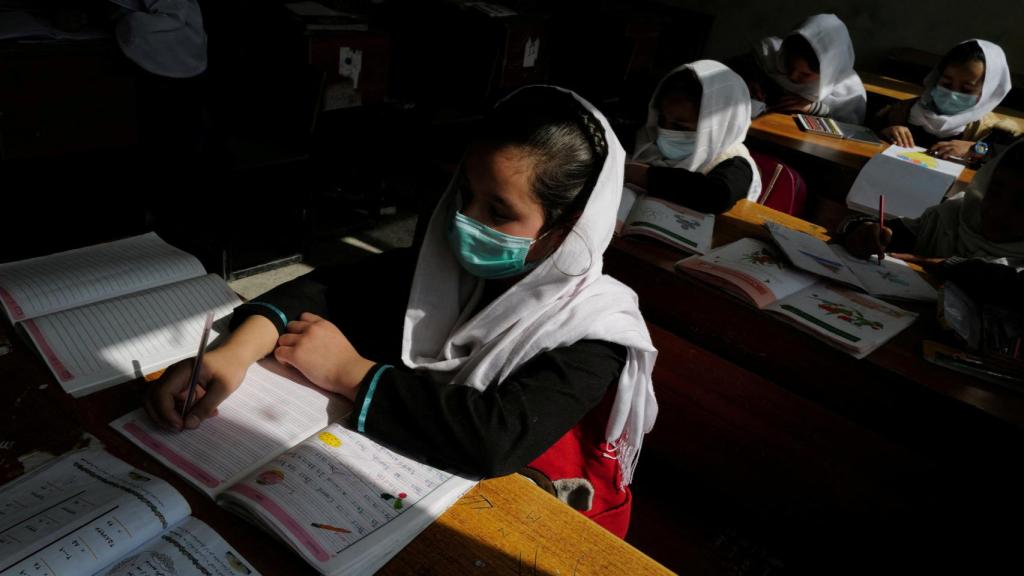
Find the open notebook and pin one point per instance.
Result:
(890, 278)
(88, 512)
(911, 180)
(675, 225)
(105, 314)
(757, 272)
(341, 501)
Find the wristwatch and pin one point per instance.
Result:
(980, 148)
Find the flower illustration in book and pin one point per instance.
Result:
(891, 277)
(270, 477)
(847, 314)
(686, 223)
(763, 257)
(396, 502)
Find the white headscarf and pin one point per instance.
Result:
(721, 127)
(995, 87)
(546, 309)
(164, 37)
(953, 228)
(838, 85)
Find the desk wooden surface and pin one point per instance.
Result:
(781, 130)
(895, 373)
(504, 525)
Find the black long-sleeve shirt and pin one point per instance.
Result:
(489, 433)
(713, 193)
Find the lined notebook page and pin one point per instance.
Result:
(113, 341)
(38, 286)
(270, 412)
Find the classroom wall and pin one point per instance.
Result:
(876, 26)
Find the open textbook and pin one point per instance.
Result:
(675, 225)
(891, 278)
(911, 180)
(108, 313)
(341, 501)
(757, 272)
(88, 512)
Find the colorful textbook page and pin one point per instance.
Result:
(753, 268)
(88, 512)
(645, 215)
(910, 179)
(854, 322)
(272, 456)
(890, 279)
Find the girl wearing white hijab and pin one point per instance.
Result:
(501, 344)
(811, 71)
(985, 222)
(691, 150)
(955, 110)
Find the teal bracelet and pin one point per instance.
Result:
(370, 389)
(275, 309)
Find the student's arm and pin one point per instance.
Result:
(494, 432)
(713, 193)
(990, 283)
(891, 123)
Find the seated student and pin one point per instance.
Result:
(955, 110)
(501, 344)
(691, 151)
(810, 71)
(975, 239)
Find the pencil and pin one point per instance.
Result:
(194, 378)
(329, 527)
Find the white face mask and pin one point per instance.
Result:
(676, 144)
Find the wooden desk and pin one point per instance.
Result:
(739, 330)
(781, 130)
(504, 525)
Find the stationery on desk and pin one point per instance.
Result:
(88, 512)
(344, 503)
(757, 272)
(835, 129)
(911, 180)
(108, 313)
(645, 215)
(887, 278)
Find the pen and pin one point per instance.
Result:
(881, 224)
(194, 378)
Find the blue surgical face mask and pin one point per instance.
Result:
(487, 253)
(676, 145)
(949, 102)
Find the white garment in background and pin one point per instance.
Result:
(164, 37)
(721, 126)
(994, 88)
(838, 85)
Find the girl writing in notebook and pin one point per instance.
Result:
(975, 239)
(955, 110)
(501, 344)
(810, 71)
(691, 150)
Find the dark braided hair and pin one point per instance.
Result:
(962, 53)
(566, 142)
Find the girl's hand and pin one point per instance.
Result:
(792, 103)
(958, 148)
(219, 376)
(319, 350)
(930, 265)
(899, 135)
(868, 239)
(636, 174)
